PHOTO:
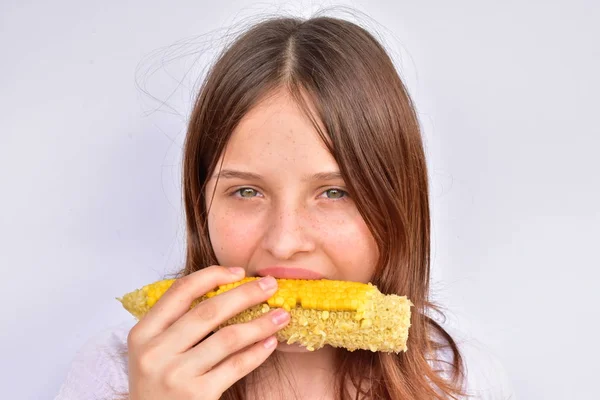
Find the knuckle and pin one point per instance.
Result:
(266, 322)
(137, 337)
(250, 289)
(147, 362)
(256, 292)
(216, 269)
(230, 338)
(189, 282)
(206, 311)
(241, 364)
(245, 362)
(171, 378)
(184, 288)
(262, 325)
(180, 284)
(133, 337)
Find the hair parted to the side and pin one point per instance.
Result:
(345, 81)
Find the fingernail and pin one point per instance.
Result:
(267, 283)
(270, 342)
(280, 316)
(236, 270)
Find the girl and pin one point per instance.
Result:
(303, 159)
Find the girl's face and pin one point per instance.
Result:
(280, 206)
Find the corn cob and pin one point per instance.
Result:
(351, 315)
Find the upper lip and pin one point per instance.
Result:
(289, 273)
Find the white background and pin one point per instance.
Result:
(508, 96)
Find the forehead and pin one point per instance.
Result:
(276, 128)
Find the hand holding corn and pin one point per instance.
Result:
(344, 314)
(170, 355)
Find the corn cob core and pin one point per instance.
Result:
(350, 315)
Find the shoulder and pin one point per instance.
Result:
(99, 368)
(485, 375)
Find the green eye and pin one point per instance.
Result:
(247, 192)
(335, 193)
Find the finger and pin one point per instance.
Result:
(177, 300)
(232, 339)
(239, 365)
(208, 315)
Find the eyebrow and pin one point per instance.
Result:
(235, 174)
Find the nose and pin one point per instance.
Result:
(288, 233)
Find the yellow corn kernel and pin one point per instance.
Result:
(350, 315)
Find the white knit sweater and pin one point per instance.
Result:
(99, 370)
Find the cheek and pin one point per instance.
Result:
(233, 237)
(349, 243)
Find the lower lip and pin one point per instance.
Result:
(290, 273)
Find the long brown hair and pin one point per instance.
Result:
(342, 77)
